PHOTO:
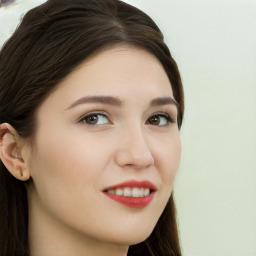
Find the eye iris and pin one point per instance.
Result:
(155, 120)
(92, 119)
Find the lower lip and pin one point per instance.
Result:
(133, 202)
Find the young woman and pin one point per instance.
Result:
(91, 107)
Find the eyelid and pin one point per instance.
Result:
(91, 113)
(169, 117)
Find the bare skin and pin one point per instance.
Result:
(111, 120)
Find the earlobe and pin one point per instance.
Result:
(11, 148)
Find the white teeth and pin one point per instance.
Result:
(130, 192)
(141, 192)
(146, 192)
(119, 191)
(127, 192)
(135, 192)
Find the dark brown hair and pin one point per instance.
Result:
(51, 41)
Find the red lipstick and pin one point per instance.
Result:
(134, 194)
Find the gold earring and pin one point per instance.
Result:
(20, 173)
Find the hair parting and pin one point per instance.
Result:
(52, 40)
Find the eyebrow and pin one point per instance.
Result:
(115, 101)
(108, 100)
(164, 101)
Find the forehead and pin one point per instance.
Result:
(120, 67)
(131, 74)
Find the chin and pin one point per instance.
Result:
(131, 237)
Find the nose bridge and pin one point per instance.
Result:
(137, 141)
(135, 149)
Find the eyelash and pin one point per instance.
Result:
(92, 114)
(161, 115)
(168, 118)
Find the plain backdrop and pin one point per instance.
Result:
(214, 44)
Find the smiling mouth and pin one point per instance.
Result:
(130, 191)
(133, 194)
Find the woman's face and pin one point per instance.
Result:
(109, 127)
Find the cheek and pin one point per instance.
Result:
(69, 165)
(62, 163)
(169, 159)
(64, 173)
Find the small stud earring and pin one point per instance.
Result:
(20, 173)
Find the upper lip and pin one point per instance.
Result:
(133, 184)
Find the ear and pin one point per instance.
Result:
(14, 152)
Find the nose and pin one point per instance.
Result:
(134, 151)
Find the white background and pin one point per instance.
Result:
(214, 43)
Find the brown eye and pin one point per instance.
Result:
(160, 120)
(95, 119)
(91, 119)
(155, 120)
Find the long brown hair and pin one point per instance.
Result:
(51, 41)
